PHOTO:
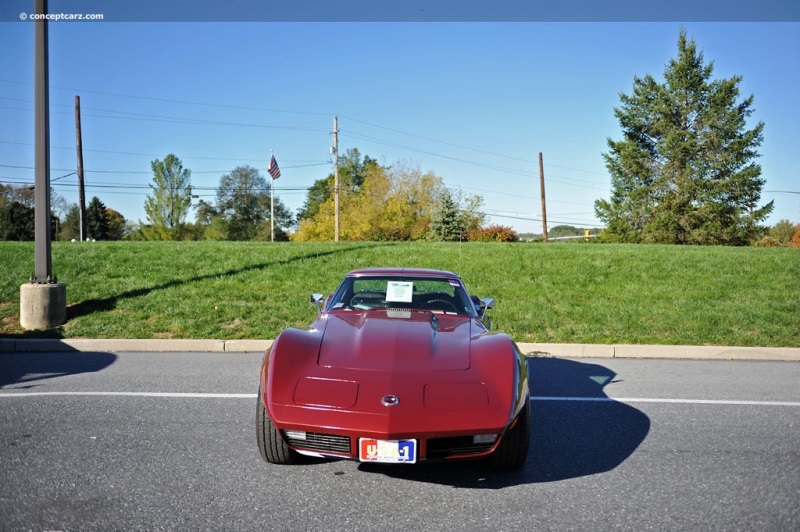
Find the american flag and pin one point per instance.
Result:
(273, 169)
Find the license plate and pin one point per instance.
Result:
(387, 451)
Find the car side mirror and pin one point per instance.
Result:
(482, 305)
(318, 300)
(488, 303)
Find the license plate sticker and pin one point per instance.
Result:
(387, 451)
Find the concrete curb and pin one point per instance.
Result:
(132, 345)
(685, 352)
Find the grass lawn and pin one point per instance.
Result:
(584, 293)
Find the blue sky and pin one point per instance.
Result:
(472, 102)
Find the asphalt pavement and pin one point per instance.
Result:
(100, 440)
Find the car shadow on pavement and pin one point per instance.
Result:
(577, 431)
(23, 371)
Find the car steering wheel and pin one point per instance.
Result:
(439, 303)
(366, 300)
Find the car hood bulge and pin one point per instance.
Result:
(392, 341)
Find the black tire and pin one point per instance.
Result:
(512, 452)
(272, 447)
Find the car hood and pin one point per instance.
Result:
(396, 341)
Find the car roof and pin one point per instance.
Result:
(411, 272)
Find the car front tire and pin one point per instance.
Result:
(272, 447)
(512, 452)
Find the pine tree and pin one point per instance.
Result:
(685, 171)
(447, 224)
(96, 220)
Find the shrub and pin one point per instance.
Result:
(768, 242)
(795, 242)
(493, 233)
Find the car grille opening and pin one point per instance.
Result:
(318, 443)
(455, 446)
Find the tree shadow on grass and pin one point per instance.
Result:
(91, 306)
(576, 431)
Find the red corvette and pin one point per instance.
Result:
(399, 367)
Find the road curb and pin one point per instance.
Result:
(681, 352)
(684, 352)
(133, 345)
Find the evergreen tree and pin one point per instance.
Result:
(447, 224)
(71, 226)
(685, 170)
(96, 220)
(17, 222)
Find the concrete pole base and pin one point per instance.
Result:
(42, 306)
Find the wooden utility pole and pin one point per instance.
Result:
(336, 174)
(544, 206)
(79, 147)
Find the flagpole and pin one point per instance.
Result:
(272, 206)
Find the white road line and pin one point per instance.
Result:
(197, 395)
(667, 401)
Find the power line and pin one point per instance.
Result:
(513, 171)
(151, 117)
(143, 117)
(183, 102)
(307, 163)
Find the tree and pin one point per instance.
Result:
(96, 220)
(17, 222)
(389, 203)
(447, 224)
(71, 226)
(117, 226)
(684, 171)
(457, 216)
(243, 201)
(782, 232)
(172, 195)
(352, 173)
(209, 223)
(24, 195)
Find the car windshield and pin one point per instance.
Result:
(438, 295)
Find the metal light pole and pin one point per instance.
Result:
(43, 302)
(42, 151)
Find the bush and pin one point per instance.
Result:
(768, 242)
(493, 233)
(795, 242)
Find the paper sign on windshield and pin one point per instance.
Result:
(399, 291)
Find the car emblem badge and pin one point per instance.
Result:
(390, 400)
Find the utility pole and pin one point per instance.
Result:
(336, 175)
(79, 147)
(544, 207)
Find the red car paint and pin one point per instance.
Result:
(450, 377)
